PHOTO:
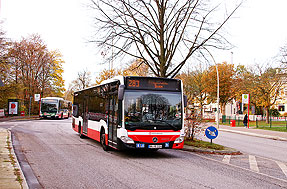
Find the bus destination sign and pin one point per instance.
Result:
(152, 83)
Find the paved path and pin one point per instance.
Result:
(10, 171)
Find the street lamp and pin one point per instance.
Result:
(217, 104)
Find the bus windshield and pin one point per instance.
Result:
(49, 106)
(157, 110)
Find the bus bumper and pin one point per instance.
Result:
(149, 146)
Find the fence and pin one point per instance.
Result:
(258, 121)
(278, 122)
(238, 120)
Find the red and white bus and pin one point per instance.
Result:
(132, 112)
(55, 107)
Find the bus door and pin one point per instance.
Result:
(86, 115)
(112, 118)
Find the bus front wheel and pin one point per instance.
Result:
(103, 142)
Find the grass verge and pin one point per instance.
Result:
(203, 144)
(281, 129)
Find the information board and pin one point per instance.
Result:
(153, 83)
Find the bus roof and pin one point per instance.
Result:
(122, 80)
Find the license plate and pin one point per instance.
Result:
(139, 145)
(154, 146)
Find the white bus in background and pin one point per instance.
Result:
(55, 107)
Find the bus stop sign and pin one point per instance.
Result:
(211, 132)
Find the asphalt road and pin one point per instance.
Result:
(268, 148)
(60, 159)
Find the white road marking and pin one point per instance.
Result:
(253, 163)
(226, 159)
(238, 167)
(283, 167)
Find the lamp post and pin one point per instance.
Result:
(217, 120)
(217, 101)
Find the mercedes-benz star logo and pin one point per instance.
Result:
(154, 139)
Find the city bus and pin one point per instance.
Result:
(55, 107)
(132, 112)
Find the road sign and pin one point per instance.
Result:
(37, 97)
(245, 98)
(211, 132)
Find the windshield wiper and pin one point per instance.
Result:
(170, 125)
(134, 127)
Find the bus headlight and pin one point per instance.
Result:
(179, 140)
(127, 140)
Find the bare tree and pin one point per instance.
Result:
(82, 81)
(163, 33)
(283, 56)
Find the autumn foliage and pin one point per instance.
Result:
(32, 69)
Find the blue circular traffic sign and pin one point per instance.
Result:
(211, 132)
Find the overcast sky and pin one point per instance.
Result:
(258, 30)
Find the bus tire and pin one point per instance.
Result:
(103, 142)
(80, 131)
(82, 136)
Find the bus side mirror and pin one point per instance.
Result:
(185, 101)
(121, 91)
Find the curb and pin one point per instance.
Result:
(19, 118)
(228, 151)
(11, 174)
(255, 134)
(24, 182)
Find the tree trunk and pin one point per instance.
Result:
(222, 109)
(267, 115)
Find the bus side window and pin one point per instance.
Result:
(75, 110)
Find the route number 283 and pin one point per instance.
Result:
(134, 83)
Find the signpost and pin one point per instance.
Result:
(246, 100)
(37, 97)
(211, 133)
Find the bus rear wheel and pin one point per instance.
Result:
(103, 142)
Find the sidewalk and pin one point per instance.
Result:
(19, 118)
(11, 175)
(252, 131)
